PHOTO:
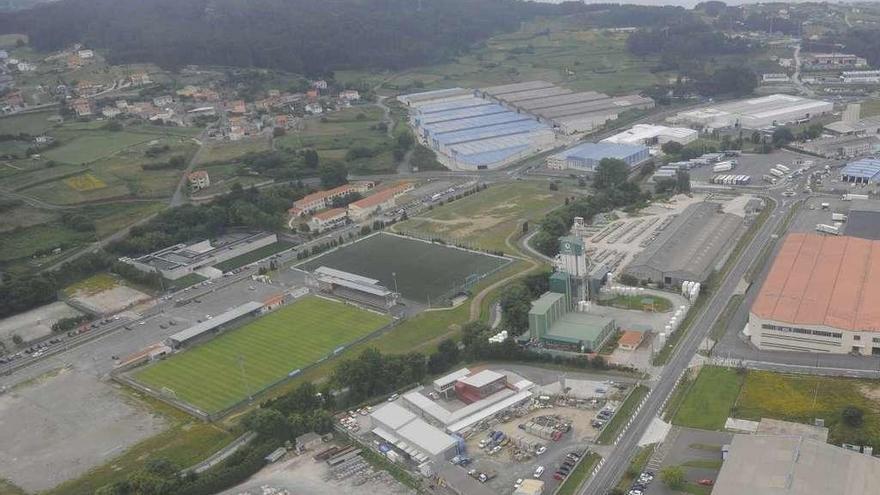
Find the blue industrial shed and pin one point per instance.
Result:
(587, 156)
(864, 171)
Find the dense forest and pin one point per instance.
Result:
(295, 35)
(301, 36)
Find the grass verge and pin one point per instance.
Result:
(640, 460)
(623, 414)
(579, 475)
(720, 326)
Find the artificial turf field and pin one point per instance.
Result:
(209, 377)
(423, 271)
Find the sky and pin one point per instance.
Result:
(679, 3)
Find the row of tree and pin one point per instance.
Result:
(612, 190)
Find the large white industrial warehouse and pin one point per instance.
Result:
(472, 133)
(754, 113)
(650, 135)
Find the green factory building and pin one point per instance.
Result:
(551, 320)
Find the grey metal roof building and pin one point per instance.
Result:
(206, 326)
(515, 87)
(569, 99)
(689, 248)
(794, 465)
(412, 435)
(534, 94)
(863, 220)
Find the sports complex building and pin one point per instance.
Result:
(586, 157)
(821, 295)
(754, 113)
(180, 260)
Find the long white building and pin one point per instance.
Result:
(754, 113)
(649, 134)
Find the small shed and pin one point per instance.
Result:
(307, 441)
(275, 455)
(630, 340)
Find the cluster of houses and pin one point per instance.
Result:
(324, 215)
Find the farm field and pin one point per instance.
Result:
(719, 392)
(557, 51)
(208, 376)
(424, 271)
(28, 123)
(333, 135)
(232, 150)
(88, 147)
(487, 218)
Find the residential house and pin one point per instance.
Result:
(319, 84)
(349, 95)
(274, 93)
(121, 104)
(87, 88)
(378, 202)
(26, 67)
(74, 62)
(312, 94)
(81, 107)
(281, 121)
(237, 107)
(198, 179)
(85, 54)
(328, 219)
(110, 112)
(163, 101)
(314, 109)
(44, 139)
(324, 199)
(140, 79)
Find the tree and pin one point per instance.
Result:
(673, 477)
(310, 158)
(611, 172)
(268, 422)
(333, 174)
(782, 136)
(17, 340)
(682, 182)
(672, 147)
(853, 416)
(405, 140)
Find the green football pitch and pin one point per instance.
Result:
(223, 371)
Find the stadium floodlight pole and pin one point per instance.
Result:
(394, 276)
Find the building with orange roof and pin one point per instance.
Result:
(328, 219)
(821, 295)
(317, 201)
(630, 340)
(198, 179)
(383, 200)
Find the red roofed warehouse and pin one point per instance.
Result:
(822, 294)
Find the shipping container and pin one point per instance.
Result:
(828, 229)
(838, 217)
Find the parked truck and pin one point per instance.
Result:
(827, 229)
(769, 178)
(785, 169)
(723, 167)
(850, 197)
(777, 173)
(838, 217)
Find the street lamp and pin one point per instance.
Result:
(394, 276)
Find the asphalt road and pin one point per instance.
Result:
(618, 460)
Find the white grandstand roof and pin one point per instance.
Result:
(200, 328)
(351, 281)
(482, 378)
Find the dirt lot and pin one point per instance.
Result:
(61, 425)
(302, 474)
(111, 300)
(36, 323)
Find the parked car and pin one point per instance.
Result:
(706, 482)
(540, 450)
(539, 471)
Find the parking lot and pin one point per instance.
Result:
(698, 452)
(754, 165)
